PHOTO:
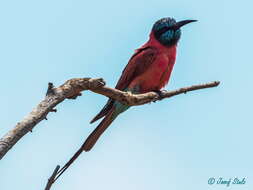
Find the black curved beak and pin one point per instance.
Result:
(182, 23)
(176, 26)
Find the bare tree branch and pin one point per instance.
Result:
(51, 179)
(73, 88)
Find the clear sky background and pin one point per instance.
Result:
(175, 144)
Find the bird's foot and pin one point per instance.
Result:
(160, 94)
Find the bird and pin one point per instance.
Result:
(149, 69)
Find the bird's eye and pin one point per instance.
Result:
(161, 31)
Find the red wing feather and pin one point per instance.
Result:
(137, 65)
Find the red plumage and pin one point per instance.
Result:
(149, 68)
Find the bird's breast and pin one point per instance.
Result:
(157, 75)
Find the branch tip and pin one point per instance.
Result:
(51, 179)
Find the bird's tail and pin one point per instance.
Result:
(94, 136)
(103, 125)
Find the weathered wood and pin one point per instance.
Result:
(72, 89)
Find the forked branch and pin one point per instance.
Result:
(73, 88)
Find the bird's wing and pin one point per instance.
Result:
(138, 64)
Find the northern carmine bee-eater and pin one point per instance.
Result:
(149, 69)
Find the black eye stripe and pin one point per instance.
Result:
(161, 31)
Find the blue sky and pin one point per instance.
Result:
(177, 143)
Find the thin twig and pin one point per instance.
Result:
(51, 179)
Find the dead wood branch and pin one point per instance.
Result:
(72, 89)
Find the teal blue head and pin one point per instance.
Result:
(167, 31)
